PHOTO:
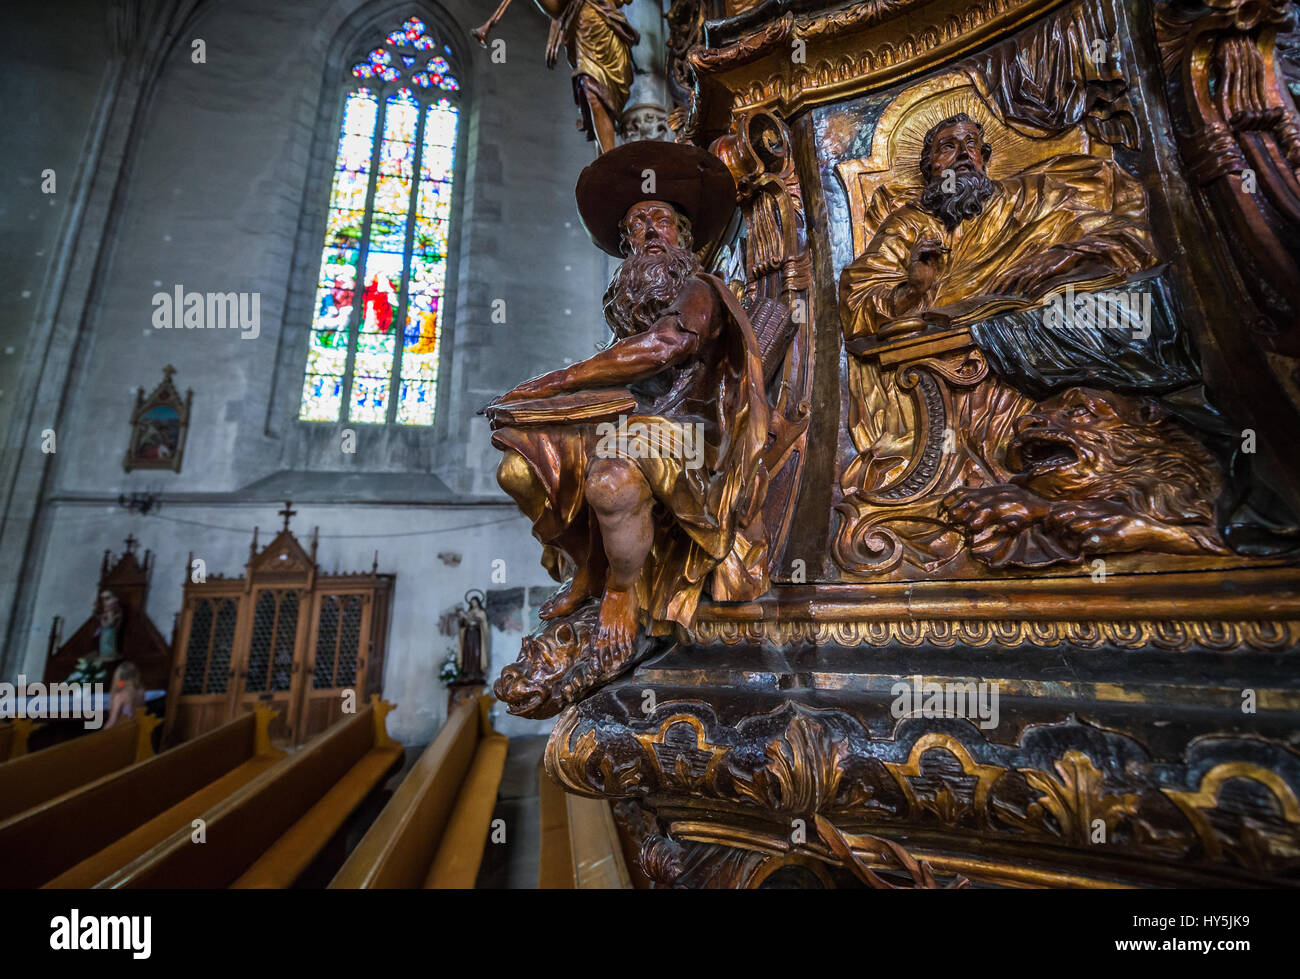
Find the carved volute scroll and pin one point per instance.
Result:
(778, 272)
(1239, 133)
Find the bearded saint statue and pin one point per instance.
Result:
(642, 523)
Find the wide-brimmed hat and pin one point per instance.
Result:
(694, 181)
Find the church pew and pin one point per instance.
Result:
(555, 856)
(266, 832)
(14, 736)
(35, 778)
(434, 828)
(593, 840)
(580, 844)
(105, 825)
(460, 851)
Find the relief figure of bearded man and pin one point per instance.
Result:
(645, 521)
(598, 40)
(985, 254)
(970, 245)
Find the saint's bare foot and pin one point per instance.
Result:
(615, 637)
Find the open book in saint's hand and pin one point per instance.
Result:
(595, 405)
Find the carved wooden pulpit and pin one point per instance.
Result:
(1008, 595)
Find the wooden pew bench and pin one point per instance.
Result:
(102, 826)
(580, 846)
(34, 778)
(14, 735)
(555, 855)
(433, 831)
(267, 832)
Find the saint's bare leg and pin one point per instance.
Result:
(621, 498)
(587, 582)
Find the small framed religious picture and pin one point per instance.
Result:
(158, 426)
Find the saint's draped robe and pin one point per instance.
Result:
(598, 40)
(708, 525)
(1084, 202)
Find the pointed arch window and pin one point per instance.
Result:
(377, 324)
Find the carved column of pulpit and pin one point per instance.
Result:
(1021, 532)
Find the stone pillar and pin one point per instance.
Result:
(646, 113)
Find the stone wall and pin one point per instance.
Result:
(222, 186)
(408, 540)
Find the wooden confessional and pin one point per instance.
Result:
(305, 644)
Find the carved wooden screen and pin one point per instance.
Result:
(307, 645)
(340, 645)
(203, 669)
(271, 673)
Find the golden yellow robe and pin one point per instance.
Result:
(1077, 200)
(599, 44)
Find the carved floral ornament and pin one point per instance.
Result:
(854, 48)
(1067, 784)
(1174, 634)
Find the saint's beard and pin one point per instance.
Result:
(644, 286)
(965, 201)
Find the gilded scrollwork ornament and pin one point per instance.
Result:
(1239, 133)
(1064, 784)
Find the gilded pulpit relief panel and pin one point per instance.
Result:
(1021, 392)
(656, 472)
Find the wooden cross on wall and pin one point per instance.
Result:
(287, 512)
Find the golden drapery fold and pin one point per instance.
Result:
(711, 527)
(598, 39)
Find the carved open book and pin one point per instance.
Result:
(579, 406)
(974, 309)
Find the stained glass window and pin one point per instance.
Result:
(376, 361)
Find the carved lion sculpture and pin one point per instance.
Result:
(1096, 473)
(556, 666)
